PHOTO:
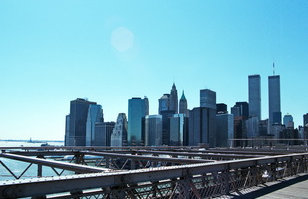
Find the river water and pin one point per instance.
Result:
(17, 167)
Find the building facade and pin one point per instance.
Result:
(178, 129)
(137, 109)
(208, 98)
(153, 130)
(224, 130)
(274, 100)
(95, 114)
(103, 131)
(119, 133)
(76, 133)
(202, 127)
(254, 92)
(164, 103)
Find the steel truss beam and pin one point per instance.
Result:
(208, 179)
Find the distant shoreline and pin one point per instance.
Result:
(9, 140)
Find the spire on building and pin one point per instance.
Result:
(183, 96)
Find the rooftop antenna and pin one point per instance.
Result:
(274, 68)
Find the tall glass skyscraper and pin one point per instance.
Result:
(254, 92)
(95, 114)
(77, 120)
(153, 130)
(274, 100)
(137, 109)
(208, 99)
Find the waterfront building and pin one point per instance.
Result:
(76, 134)
(153, 130)
(174, 99)
(67, 130)
(119, 133)
(137, 109)
(95, 114)
(254, 92)
(103, 131)
(224, 129)
(274, 99)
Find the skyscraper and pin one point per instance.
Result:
(224, 129)
(288, 121)
(95, 114)
(137, 109)
(254, 92)
(221, 108)
(274, 100)
(153, 130)
(183, 105)
(240, 109)
(164, 103)
(174, 99)
(202, 126)
(119, 133)
(178, 128)
(305, 120)
(208, 99)
(77, 122)
(103, 131)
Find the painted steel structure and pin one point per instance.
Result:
(147, 172)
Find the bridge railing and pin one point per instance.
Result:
(186, 181)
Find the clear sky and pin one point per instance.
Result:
(54, 51)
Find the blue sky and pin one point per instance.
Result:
(52, 52)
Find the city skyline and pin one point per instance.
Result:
(50, 55)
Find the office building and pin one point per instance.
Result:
(254, 92)
(288, 121)
(95, 114)
(103, 131)
(119, 133)
(67, 130)
(208, 99)
(166, 115)
(263, 127)
(202, 126)
(274, 100)
(305, 117)
(153, 130)
(137, 109)
(224, 130)
(252, 127)
(221, 108)
(178, 129)
(240, 109)
(183, 105)
(164, 103)
(77, 121)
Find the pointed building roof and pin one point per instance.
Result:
(183, 96)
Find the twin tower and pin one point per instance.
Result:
(274, 106)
